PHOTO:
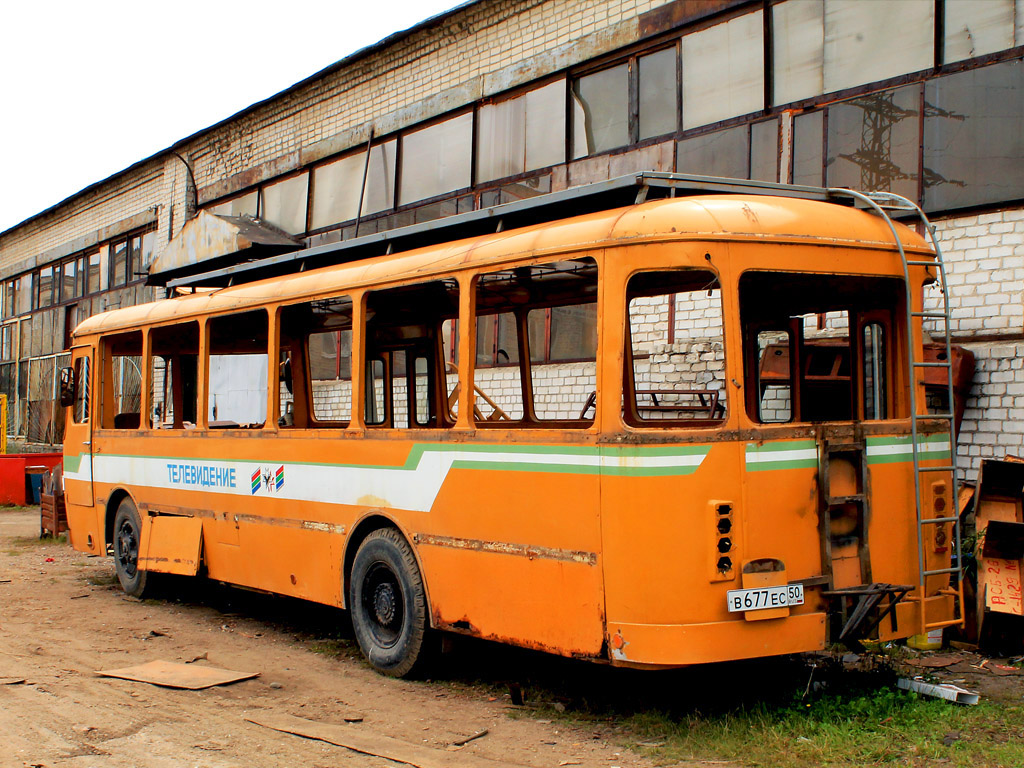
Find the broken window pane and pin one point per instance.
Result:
(173, 377)
(658, 93)
(677, 342)
(436, 159)
(864, 44)
(243, 205)
(974, 137)
(764, 151)
(284, 204)
(720, 153)
(522, 134)
(808, 148)
(976, 27)
(723, 71)
(336, 185)
(238, 370)
(601, 116)
(873, 142)
(798, 36)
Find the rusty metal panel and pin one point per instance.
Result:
(172, 545)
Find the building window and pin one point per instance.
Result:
(521, 134)
(863, 45)
(740, 152)
(658, 93)
(601, 111)
(91, 273)
(723, 71)
(436, 159)
(974, 137)
(336, 186)
(798, 43)
(10, 289)
(974, 29)
(873, 142)
(120, 269)
(45, 286)
(129, 258)
(283, 204)
(243, 205)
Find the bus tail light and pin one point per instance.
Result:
(723, 531)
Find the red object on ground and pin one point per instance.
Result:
(12, 474)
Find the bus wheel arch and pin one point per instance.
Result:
(113, 503)
(387, 598)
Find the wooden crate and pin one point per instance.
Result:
(53, 516)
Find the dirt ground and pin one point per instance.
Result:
(62, 619)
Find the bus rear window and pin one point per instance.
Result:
(818, 347)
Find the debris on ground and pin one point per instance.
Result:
(170, 674)
(946, 691)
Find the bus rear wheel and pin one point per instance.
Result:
(127, 538)
(388, 604)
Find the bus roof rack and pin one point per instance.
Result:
(600, 196)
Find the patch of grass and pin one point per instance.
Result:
(866, 722)
(334, 647)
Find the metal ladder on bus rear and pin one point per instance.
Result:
(881, 203)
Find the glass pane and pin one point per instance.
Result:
(774, 377)
(437, 159)
(798, 29)
(374, 392)
(873, 142)
(23, 296)
(80, 412)
(119, 262)
(284, 204)
(93, 277)
(865, 42)
(658, 93)
(243, 205)
(336, 185)
(421, 400)
(808, 149)
(399, 390)
(875, 398)
(45, 286)
(720, 153)
(522, 134)
(602, 103)
(764, 151)
(723, 71)
(976, 27)
(146, 251)
(330, 367)
(574, 332)
(974, 137)
(69, 283)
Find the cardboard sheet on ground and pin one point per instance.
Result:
(173, 675)
(358, 740)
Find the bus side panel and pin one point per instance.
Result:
(513, 555)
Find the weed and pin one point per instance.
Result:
(102, 579)
(337, 648)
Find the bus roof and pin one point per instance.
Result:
(701, 218)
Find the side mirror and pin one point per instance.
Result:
(67, 386)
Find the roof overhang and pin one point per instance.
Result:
(210, 241)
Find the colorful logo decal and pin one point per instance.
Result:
(268, 479)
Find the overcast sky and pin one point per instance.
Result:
(88, 88)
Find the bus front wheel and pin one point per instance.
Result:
(127, 537)
(388, 604)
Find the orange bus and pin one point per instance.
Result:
(687, 429)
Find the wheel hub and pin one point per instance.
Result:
(384, 604)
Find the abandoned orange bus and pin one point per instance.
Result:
(683, 430)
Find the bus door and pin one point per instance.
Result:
(77, 392)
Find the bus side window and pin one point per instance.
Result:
(406, 366)
(676, 344)
(238, 371)
(536, 345)
(774, 377)
(874, 351)
(174, 370)
(80, 412)
(316, 348)
(122, 380)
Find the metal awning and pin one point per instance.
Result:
(210, 242)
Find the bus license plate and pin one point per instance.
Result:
(764, 597)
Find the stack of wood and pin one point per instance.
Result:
(53, 519)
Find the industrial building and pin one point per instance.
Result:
(497, 100)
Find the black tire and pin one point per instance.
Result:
(127, 537)
(388, 604)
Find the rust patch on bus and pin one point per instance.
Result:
(285, 522)
(506, 548)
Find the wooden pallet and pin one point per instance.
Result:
(53, 519)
